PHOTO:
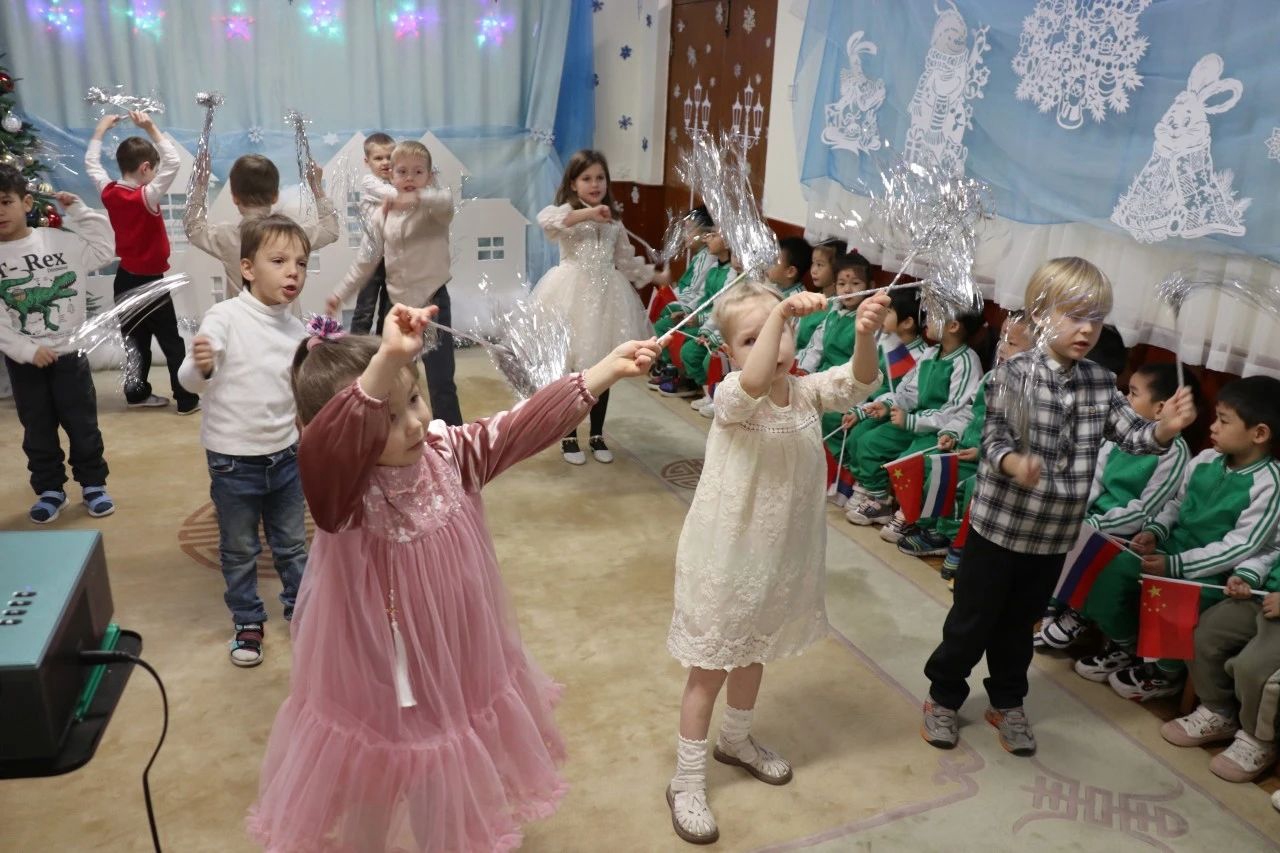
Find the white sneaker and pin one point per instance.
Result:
(701, 403)
(870, 511)
(571, 452)
(152, 402)
(1245, 759)
(1062, 630)
(691, 816)
(599, 450)
(1275, 801)
(246, 644)
(894, 528)
(1199, 727)
(708, 411)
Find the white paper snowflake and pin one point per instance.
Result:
(671, 134)
(675, 93)
(1273, 144)
(330, 139)
(692, 56)
(759, 79)
(635, 194)
(679, 25)
(768, 41)
(708, 49)
(720, 14)
(748, 19)
(713, 82)
(737, 70)
(255, 135)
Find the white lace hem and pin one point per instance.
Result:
(710, 651)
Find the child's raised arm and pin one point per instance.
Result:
(758, 371)
(93, 154)
(866, 359)
(169, 162)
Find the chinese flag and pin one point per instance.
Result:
(907, 478)
(958, 542)
(662, 297)
(1167, 618)
(718, 368)
(833, 469)
(674, 344)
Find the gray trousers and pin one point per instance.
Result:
(1237, 664)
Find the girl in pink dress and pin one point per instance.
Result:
(415, 719)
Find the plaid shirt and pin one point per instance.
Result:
(1066, 414)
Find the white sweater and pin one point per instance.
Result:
(247, 399)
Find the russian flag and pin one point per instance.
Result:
(718, 368)
(674, 343)
(843, 486)
(662, 297)
(940, 497)
(900, 362)
(1091, 554)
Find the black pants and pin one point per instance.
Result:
(597, 417)
(999, 596)
(161, 322)
(439, 366)
(60, 395)
(372, 302)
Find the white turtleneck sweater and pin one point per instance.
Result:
(247, 399)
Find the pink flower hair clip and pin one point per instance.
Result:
(322, 327)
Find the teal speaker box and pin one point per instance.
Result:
(56, 602)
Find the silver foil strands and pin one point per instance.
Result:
(719, 173)
(105, 328)
(1182, 284)
(119, 99)
(198, 184)
(306, 163)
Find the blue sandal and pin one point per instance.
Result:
(48, 507)
(98, 501)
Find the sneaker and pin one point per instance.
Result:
(941, 726)
(151, 402)
(702, 402)
(895, 529)
(599, 450)
(1110, 660)
(951, 563)
(755, 758)
(870, 511)
(1245, 759)
(708, 411)
(691, 816)
(1199, 727)
(571, 452)
(1275, 801)
(98, 501)
(1062, 630)
(246, 645)
(679, 388)
(47, 507)
(665, 374)
(189, 408)
(1146, 682)
(925, 543)
(1014, 730)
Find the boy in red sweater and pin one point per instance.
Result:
(147, 169)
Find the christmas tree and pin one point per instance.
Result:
(18, 145)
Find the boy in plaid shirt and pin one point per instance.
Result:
(1048, 411)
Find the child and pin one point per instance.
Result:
(589, 287)
(941, 386)
(1031, 495)
(410, 234)
(1127, 490)
(375, 188)
(788, 271)
(1225, 510)
(932, 537)
(240, 359)
(142, 243)
(42, 274)
(755, 591)
(832, 342)
(1236, 673)
(416, 719)
(255, 188)
(822, 271)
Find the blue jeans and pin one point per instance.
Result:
(246, 490)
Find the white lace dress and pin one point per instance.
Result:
(592, 286)
(751, 561)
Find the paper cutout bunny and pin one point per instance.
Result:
(851, 121)
(1177, 193)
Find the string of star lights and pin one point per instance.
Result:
(323, 17)
(146, 16)
(58, 16)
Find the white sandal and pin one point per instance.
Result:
(691, 816)
(760, 761)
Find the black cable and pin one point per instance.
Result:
(96, 658)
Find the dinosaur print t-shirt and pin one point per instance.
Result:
(42, 282)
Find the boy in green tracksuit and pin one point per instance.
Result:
(943, 383)
(1225, 510)
(822, 271)
(1127, 491)
(899, 336)
(931, 537)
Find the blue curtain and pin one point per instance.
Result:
(490, 79)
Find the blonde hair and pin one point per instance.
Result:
(1067, 284)
(729, 306)
(411, 148)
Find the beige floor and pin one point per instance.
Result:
(587, 553)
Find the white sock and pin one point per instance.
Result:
(691, 765)
(736, 726)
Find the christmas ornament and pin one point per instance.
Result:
(7, 159)
(45, 188)
(11, 123)
(33, 185)
(6, 82)
(43, 221)
(55, 221)
(28, 160)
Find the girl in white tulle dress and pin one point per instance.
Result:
(750, 564)
(593, 286)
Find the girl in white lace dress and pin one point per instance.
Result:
(593, 286)
(750, 572)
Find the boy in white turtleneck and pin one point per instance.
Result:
(240, 361)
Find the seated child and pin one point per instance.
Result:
(1224, 511)
(1128, 490)
(822, 272)
(794, 259)
(962, 435)
(1236, 673)
(940, 386)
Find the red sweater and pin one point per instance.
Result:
(142, 243)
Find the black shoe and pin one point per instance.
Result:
(189, 408)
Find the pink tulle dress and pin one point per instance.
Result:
(415, 718)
